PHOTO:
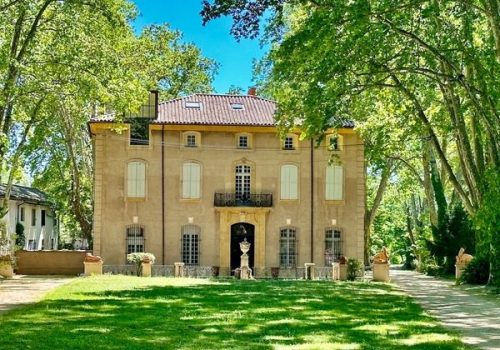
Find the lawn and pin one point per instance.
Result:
(119, 312)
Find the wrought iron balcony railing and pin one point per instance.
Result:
(223, 199)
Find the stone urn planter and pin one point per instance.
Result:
(215, 271)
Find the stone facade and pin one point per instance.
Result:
(162, 212)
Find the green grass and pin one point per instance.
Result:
(118, 312)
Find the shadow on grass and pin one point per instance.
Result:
(230, 315)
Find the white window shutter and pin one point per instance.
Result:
(329, 183)
(337, 184)
(131, 190)
(141, 180)
(284, 182)
(195, 180)
(186, 180)
(293, 182)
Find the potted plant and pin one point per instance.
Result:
(139, 258)
(275, 272)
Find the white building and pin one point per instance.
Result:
(31, 208)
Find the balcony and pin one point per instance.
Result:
(223, 199)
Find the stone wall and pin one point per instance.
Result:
(45, 262)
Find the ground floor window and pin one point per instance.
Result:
(190, 244)
(135, 239)
(288, 247)
(333, 245)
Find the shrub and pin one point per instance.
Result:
(138, 258)
(477, 272)
(354, 269)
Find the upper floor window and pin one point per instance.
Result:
(136, 179)
(243, 141)
(290, 142)
(334, 182)
(135, 239)
(190, 244)
(333, 245)
(289, 182)
(43, 217)
(288, 247)
(191, 139)
(191, 180)
(334, 142)
(21, 214)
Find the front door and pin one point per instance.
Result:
(239, 232)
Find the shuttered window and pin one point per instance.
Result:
(136, 180)
(289, 182)
(334, 182)
(191, 180)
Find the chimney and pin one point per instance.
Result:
(252, 91)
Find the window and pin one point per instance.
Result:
(43, 217)
(139, 131)
(333, 245)
(243, 141)
(31, 244)
(193, 104)
(243, 175)
(237, 106)
(136, 179)
(190, 140)
(33, 217)
(135, 239)
(334, 142)
(289, 182)
(334, 182)
(191, 180)
(288, 143)
(288, 247)
(190, 244)
(21, 214)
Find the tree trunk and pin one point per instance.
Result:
(371, 213)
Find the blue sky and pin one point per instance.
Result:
(235, 58)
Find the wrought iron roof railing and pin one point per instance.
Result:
(226, 199)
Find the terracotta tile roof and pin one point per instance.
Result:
(218, 110)
(215, 109)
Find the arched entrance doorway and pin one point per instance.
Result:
(239, 232)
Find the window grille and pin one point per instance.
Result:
(190, 244)
(288, 143)
(135, 239)
(333, 245)
(288, 247)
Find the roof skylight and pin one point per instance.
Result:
(237, 106)
(193, 104)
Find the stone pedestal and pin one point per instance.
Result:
(310, 272)
(459, 269)
(92, 268)
(381, 272)
(146, 269)
(6, 271)
(335, 271)
(343, 272)
(245, 273)
(179, 269)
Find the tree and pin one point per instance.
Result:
(436, 61)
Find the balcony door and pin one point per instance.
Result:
(242, 182)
